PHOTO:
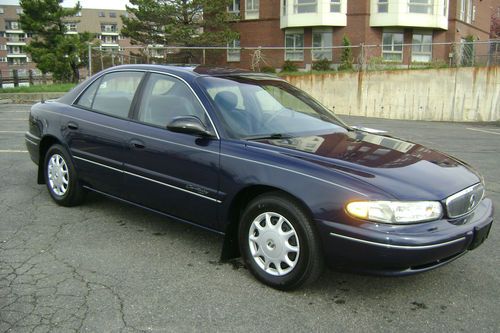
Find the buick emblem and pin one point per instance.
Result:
(472, 201)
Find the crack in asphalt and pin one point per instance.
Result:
(41, 290)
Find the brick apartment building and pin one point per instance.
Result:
(104, 23)
(298, 25)
(301, 24)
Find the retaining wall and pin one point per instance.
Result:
(451, 94)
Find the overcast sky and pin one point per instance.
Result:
(106, 4)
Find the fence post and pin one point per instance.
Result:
(1, 80)
(90, 61)
(204, 56)
(30, 77)
(15, 76)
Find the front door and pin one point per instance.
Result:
(171, 172)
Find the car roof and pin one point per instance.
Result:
(186, 72)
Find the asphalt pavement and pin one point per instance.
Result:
(108, 267)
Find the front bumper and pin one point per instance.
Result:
(404, 249)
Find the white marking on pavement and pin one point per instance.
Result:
(484, 131)
(5, 111)
(14, 119)
(12, 131)
(13, 151)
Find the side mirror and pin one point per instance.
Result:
(189, 125)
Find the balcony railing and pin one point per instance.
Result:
(107, 29)
(16, 39)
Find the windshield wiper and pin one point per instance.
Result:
(268, 136)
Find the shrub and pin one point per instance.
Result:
(289, 66)
(322, 65)
(346, 59)
(268, 69)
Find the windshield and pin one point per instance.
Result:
(253, 108)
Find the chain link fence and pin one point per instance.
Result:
(361, 57)
(354, 57)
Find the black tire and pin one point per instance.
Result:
(306, 258)
(72, 193)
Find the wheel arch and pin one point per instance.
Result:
(230, 249)
(46, 142)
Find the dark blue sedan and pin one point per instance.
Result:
(249, 156)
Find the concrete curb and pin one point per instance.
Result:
(28, 98)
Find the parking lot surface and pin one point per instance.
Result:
(108, 267)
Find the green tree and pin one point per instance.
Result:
(179, 23)
(51, 48)
(346, 59)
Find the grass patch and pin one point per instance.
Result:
(58, 87)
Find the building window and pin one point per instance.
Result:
(445, 8)
(13, 25)
(462, 10)
(3, 59)
(383, 6)
(112, 14)
(233, 51)
(421, 50)
(322, 44)
(3, 47)
(19, 11)
(284, 8)
(234, 7)
(70, 27)
(1, 12)
(252, 9)
(470, 11)
(305, 6)
(421, 6)
(102, 14)
(392, 48)
(294, 44)
(15, 50)
(335, 6)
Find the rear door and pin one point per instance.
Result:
(95, 127)
(171, 172)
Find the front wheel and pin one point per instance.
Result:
(278, 242)
(61, 178)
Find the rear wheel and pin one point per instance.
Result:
(278, 242)
(61, 178)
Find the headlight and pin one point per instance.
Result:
(396, 212)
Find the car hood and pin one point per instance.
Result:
(405, 170)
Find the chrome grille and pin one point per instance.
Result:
(464, 201)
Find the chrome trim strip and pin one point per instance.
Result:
(461, 193)
(157, 72)
(400, 247)
(99, 164)
(297, 172)
(172, 186)
(32, 142)
(149, 179)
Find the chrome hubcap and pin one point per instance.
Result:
(274, 244)
(58, 174)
